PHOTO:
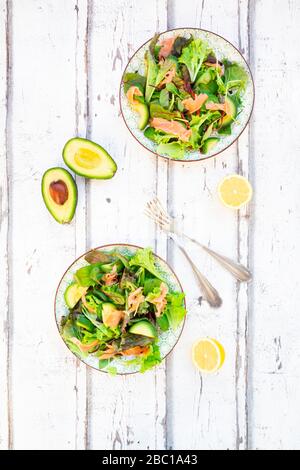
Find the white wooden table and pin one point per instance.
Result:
(61, 64)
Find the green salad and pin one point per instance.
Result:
(187, 99)
(118, 306)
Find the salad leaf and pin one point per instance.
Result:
(134, 79)
(96, 256)
(164, 99)
(175, 310)
(152, 71)
(164, 68)
(173, 149)
(115, 294)
(156, 110)
(89, 275)
(235, 77)
(193, 55)
(150, 284)
(179, 43)
(163, 322)
(145, 259)
(103, 363)
(112, 370)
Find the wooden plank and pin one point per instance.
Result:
(81, 129)
(211, 412)
(133, 407)
(45, 384)
(243, 255)
(275, 143)
(4, 230)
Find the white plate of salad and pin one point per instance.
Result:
(120, 309)
(187, 94)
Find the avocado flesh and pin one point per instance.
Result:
(226, 120)
(144, 328)
(143, 111)
(73, 294)
(88, 159)
(59, 192)
(209, 144)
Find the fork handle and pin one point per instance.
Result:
(240, 272)
(210, 294)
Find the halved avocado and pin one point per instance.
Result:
(209, 144)
(73, 293)
(88, 159)
(226, 120)
(143, 110)
(59, 192)
(144, 328)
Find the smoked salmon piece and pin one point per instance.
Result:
(166, 47)
(160, 301)
(133, 90)
(112, 317)
(171, 127)
(218, 107)
(84, 347)
(193, 104)
(168, 77)
(136, 351)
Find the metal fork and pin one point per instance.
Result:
(210, 294)
(156, 212)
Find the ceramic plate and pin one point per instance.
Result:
(223, 49)
(166, 340)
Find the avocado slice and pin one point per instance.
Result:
(88, 159)
(143, 111)
(209, 144)
(144, 328)
(59, 192)
(73, 294)
(226, 120)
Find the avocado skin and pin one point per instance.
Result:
(68, 179)
(82, 173)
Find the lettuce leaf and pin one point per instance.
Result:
(174, 150)
(156, 110)
(175, 310)
(145, 259)
(235, 77)
(193, 56)
(88, 275)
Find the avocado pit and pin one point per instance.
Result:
(59, 192)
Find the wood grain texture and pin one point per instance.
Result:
(45, 379)
(214, 407)
(275, 322)
(5, 407)
(132, 407)
(60, 70)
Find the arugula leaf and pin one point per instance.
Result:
(193, 55)
(174, 150)
(145, 258)
(175, 310)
